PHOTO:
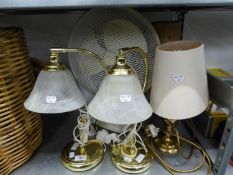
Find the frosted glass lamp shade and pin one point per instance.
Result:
(120, 100)
(179, 89)
(54, 92)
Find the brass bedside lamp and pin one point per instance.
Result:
(179, 91)
(120, 100)
(56, 91)
(179, 87)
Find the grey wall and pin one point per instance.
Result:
(214, 28)
(43, 31)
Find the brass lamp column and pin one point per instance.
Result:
(120, 100)
(167, 142)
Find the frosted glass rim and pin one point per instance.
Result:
(32, 109)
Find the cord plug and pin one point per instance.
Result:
(152, 131)
(105, 137)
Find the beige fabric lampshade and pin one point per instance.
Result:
(54, 92)
(179, 89)
(120, 100)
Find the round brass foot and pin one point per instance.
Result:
(136, 164)
(167, 145)
(78, 158)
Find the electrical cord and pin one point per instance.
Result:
(172, 170)
(191, 150)
(83, 124)
(84, 127)
(133, 135)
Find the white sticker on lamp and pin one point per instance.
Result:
(51, 99)
(79, 158)
(125, 98)
(140, 158)
(74, 146)
(128, 159)
(178, 78)
(71, 155)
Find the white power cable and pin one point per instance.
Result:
(82, 126)
(133, 133)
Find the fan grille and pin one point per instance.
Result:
(104, 31)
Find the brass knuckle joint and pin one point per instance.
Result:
(121, 61)
(121, 66)
(127, 69)
(54, 63)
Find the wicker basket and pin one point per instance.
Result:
(20, 130)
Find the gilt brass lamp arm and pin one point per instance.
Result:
(122, 52)
(55, 63)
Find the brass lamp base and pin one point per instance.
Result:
(167, 143)
(131, 163)
(82, 158)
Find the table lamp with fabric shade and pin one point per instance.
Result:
(179, 87)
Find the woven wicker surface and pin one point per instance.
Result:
(20, 130)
